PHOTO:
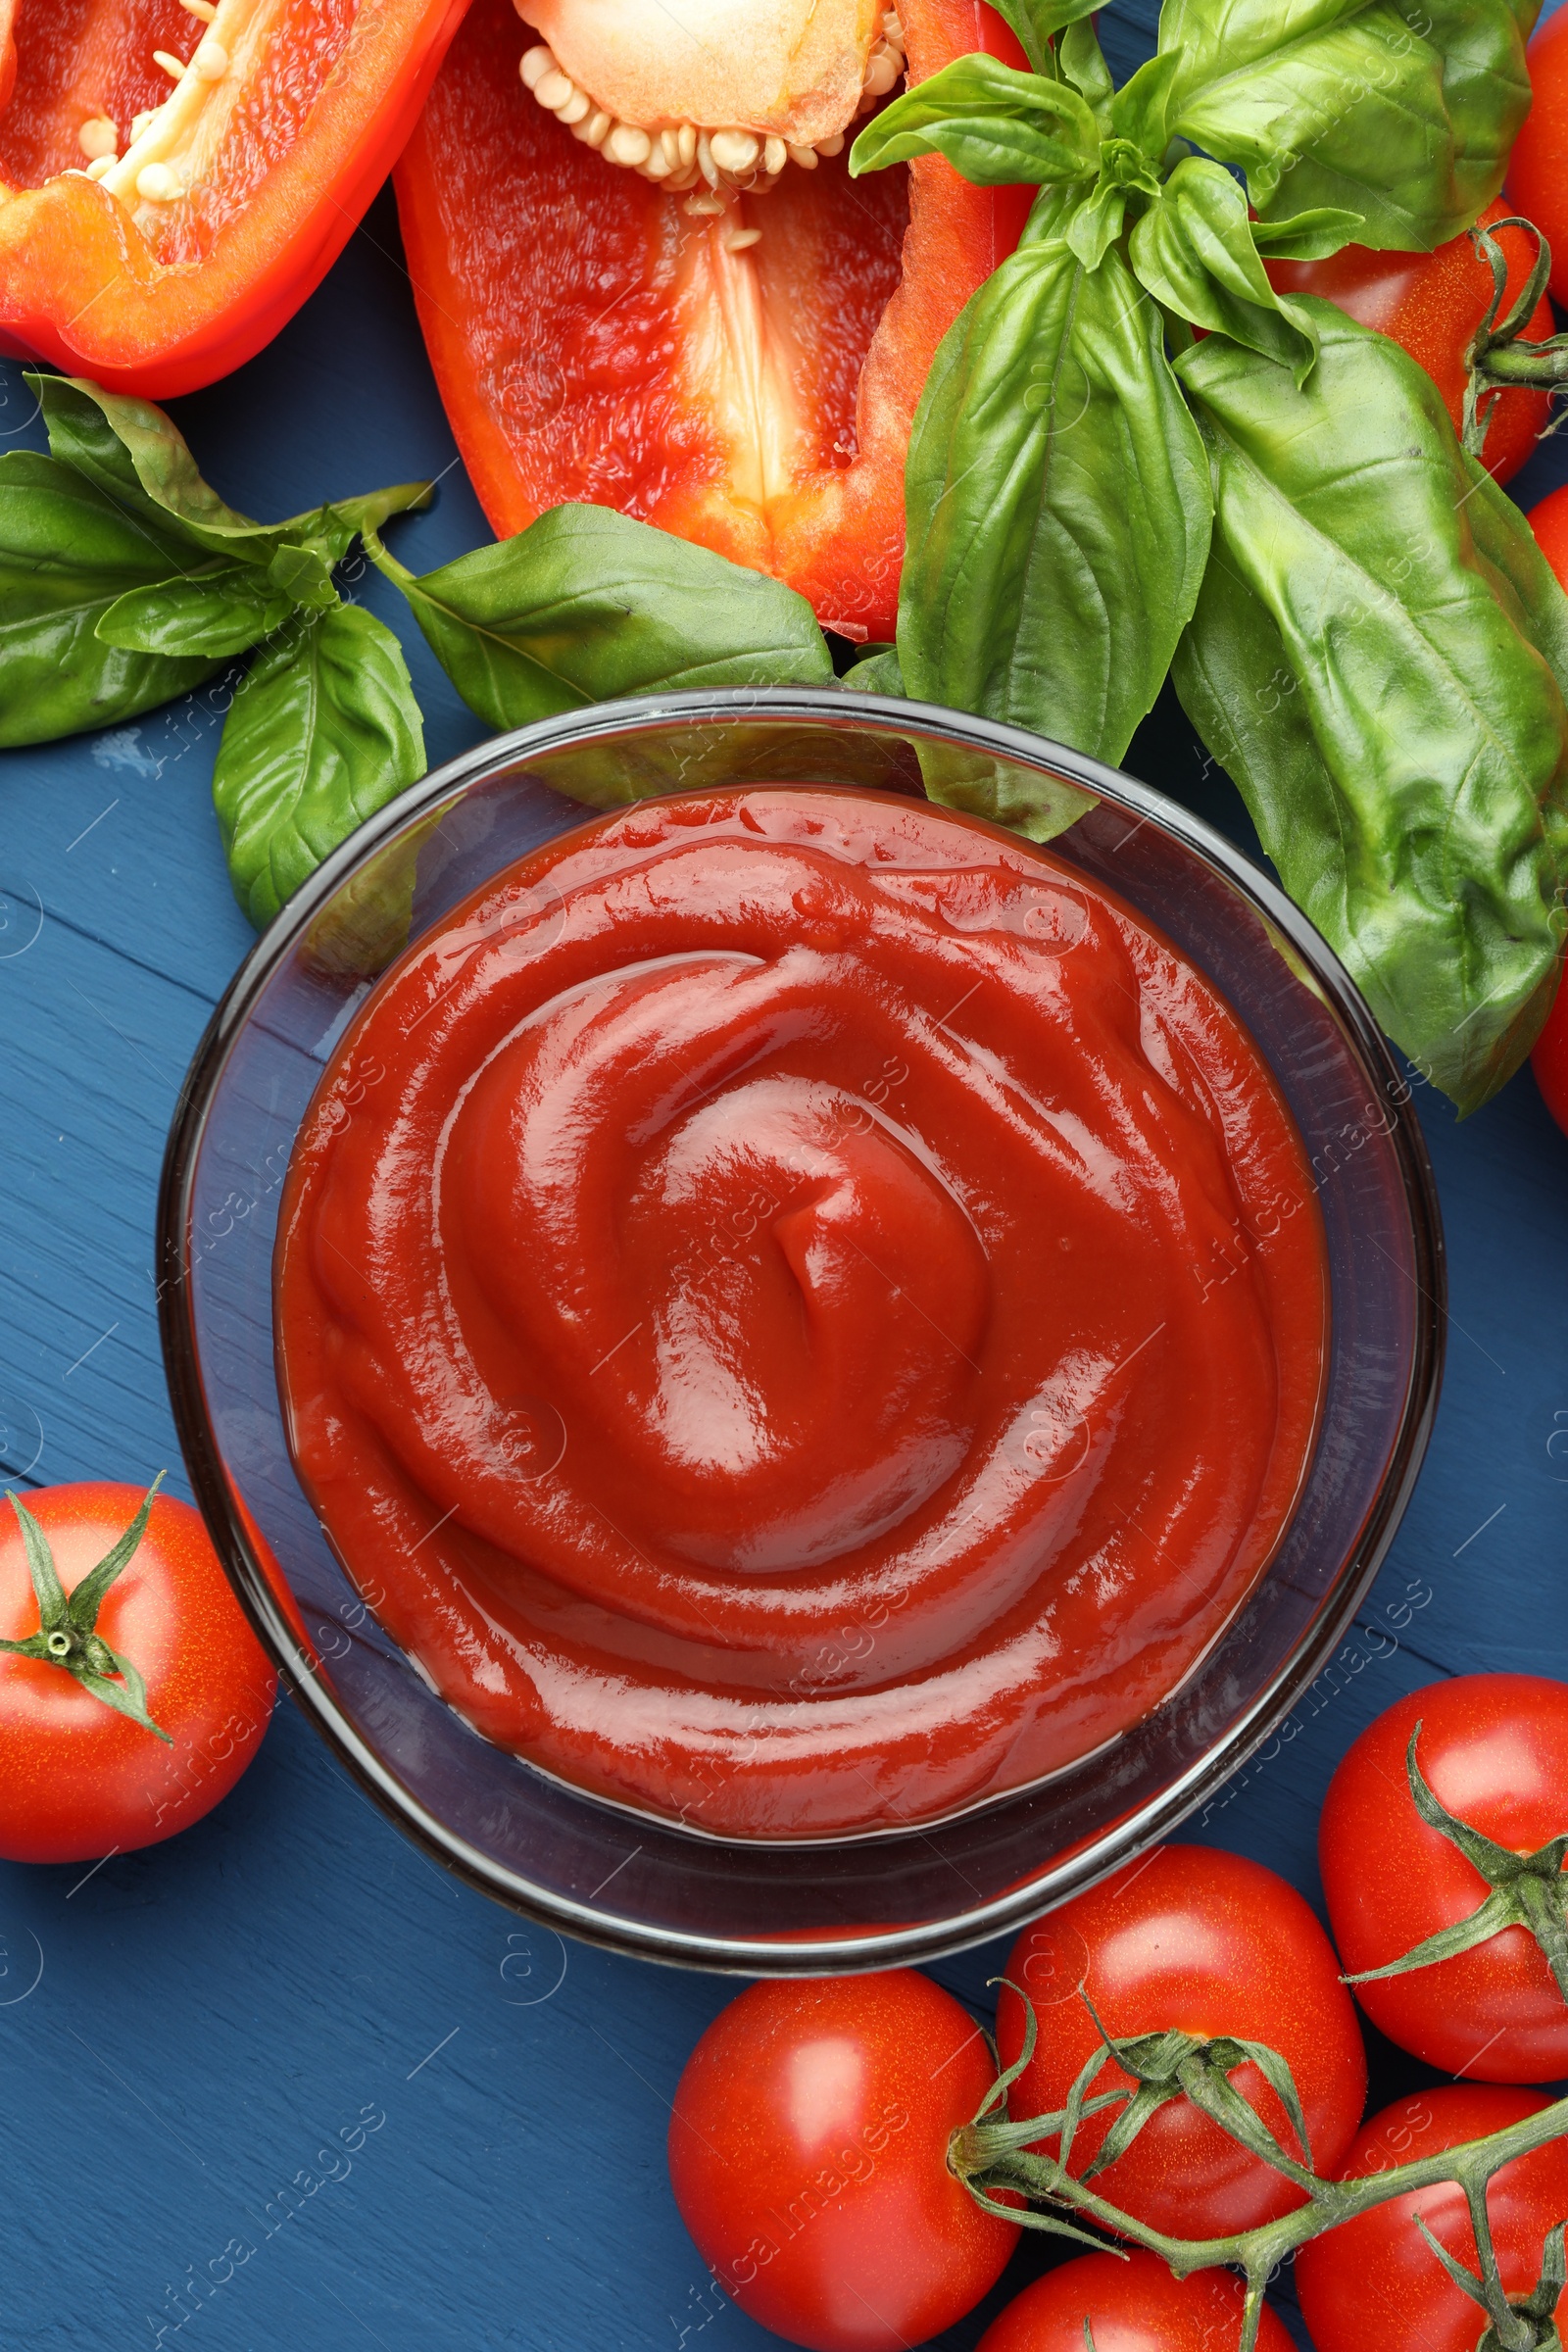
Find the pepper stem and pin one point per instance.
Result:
(68, 1633)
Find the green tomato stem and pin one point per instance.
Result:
(1329, 2202)
(67, 1634)
(992, 2156)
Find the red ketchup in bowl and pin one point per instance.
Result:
(801, 1313)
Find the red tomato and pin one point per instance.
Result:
(1495, 1751)
(1131, 2306)
(1538, 173)
(1548, 1059)
(1550, 522)
(76, 1778)
(1374, 2283)
(808, 2152)
(1212, 1945)
(1432, 303)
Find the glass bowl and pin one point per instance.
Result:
(590, 1868)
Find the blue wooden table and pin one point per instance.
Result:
(183, 2033)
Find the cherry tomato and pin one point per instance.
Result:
(808, 2152)
(1550, 522)
(1493, 1749)
(1432, 303)
(1131, 2306)
(77, 1778)
(1210, 1944)
(1374, 2283)
(1538, 172)
(1548, 1059)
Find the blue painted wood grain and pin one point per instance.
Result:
(280, 2083)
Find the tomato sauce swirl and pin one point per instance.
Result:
(814, 1319)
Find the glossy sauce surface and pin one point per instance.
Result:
(800, 1313)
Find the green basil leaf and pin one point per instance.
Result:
(1486, 87)
(1194, 250)
(1307, 236)
(994, 126)
(134, 454)
(323, 732)
(215, 613)
(878, 672)
(1094, 225)
(1030, 594)
(1385, 676)
(1140, 112)
(68, 553)
(586, 605)
(1035, 21)
(303, 576)
(1083, 64)
(1351, 105)
(1023, 798)
(1049, 216)
(137, 456)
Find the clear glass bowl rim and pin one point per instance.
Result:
(888, 1947)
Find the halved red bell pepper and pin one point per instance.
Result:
(593, 342)
(261, 160)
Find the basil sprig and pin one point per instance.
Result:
(1370, 640)
(125, 579)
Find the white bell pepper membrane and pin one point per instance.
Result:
(712, 101)
(152, 162)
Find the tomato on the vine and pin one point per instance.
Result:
(1537, 170)
(1432, 303)
(808, 2156)
(1375, 2282)
(1493, 1750)
(1212, 1945)
(1131, 2305)
(130, 1699)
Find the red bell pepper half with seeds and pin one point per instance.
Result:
(177, 175)
(628, 323)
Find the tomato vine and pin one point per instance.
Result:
(995, 2157)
